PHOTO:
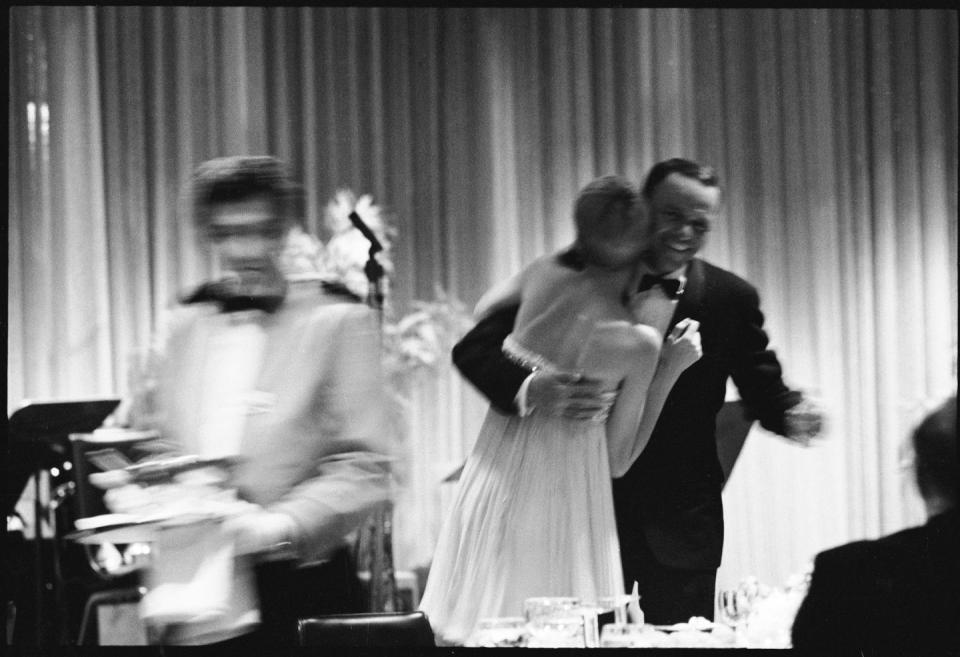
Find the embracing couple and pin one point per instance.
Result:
(607, 360)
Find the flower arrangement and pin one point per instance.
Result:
(341, 260)
(302, 256)
(421, 339)
(347, 250)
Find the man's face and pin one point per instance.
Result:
(682, 211)
(248, 237)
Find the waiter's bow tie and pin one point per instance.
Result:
(241, 302)
(224, 294)
(672, 287)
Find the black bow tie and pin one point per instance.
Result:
(672, 287)
(237, 303)
(222, 293)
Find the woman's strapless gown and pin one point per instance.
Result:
(533, 516)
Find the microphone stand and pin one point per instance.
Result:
(374, 271)
(383, 589)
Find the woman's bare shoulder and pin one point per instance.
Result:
(628, 335)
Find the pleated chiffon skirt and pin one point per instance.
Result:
(533, 516)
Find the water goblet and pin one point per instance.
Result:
(625, 635)
(617, 604)
(568, 631)
(505, 632)
(535, 609)
(733, 606)
(555, 622)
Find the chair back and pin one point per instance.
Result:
(404, 629)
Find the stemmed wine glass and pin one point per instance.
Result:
(734, 607)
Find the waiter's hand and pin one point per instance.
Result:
(260, 531)
(570, 395)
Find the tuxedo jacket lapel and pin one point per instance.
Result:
(691, 300)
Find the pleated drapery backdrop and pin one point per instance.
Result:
(835, 133)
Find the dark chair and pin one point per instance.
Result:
(407, 629)
(89, 633)
(106, 587)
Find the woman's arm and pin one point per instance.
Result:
(623, 440)
(645, 390)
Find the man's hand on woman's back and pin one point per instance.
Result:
(568, 394)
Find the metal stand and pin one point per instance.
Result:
(33, 430)
(50, 605)
(39, 584)
(379, 530)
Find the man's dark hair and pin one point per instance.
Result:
(935, 453)
(242, 177)
(689, 169)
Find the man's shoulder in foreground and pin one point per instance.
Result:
(879, 562)
(867, 551)
(894, 594)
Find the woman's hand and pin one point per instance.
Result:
(682, 347)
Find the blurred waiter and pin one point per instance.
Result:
(289, 382)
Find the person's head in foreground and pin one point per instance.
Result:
(935, 458)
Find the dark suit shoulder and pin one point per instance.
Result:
(854, 555)
(722, 281)
(902, 559)
(844, 560)
(894, 592)
(913, 540)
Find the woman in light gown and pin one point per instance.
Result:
(533, 515)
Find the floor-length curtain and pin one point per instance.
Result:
(834, 132)
(839, 153)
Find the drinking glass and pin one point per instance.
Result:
(555, 622)
(558, 632)
(507, 632)
(618, 605)
(591, 624)
(535, 609)
(734, 606)
(627, 635)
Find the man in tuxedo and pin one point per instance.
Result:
(901, 593)
(288, 381)
(668, 505)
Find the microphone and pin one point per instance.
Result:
(364, 229)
